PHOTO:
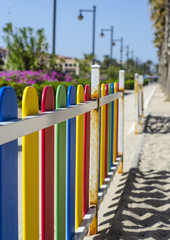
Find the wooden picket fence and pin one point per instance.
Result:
(81, 149)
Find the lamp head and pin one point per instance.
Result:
(80, 17)
(113, 43)
(102, 34)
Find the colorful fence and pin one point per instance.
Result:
(70, 159)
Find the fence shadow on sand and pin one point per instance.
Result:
(142, 201)
(157, 124)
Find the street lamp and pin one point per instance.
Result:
(80, 17)
(127, 52)
(102, 34)
(54, 24)
(121, 48)
(111, 40)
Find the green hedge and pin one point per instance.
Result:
(129, 84)
(19, 87)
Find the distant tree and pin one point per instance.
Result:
(130, 63)
(89, 57)
(26, 49)
(1, 63)
(106, 61)
(147, 67)
(85, 65)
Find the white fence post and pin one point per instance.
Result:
(141, 110)
(94, 144)
(136, 102)
(121, 118)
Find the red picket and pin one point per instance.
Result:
(47, 168)
(87, 97)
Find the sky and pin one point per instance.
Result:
(130, 18)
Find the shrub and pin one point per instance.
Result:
(146, 81)
(129, 84)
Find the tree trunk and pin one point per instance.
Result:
(163, 57)
(167, 86)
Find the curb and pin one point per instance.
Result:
(135, 160)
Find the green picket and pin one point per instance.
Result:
(61, 167)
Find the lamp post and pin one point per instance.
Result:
(127, 52)
(121, 49)
(127, 55)
(132, 54)
(80, 17)
(54, 24)
(111, 30)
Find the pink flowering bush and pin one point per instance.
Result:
(31, 77)
(39, 79)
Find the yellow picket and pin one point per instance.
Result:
(102, 138)
(79, 160)
(30, 148)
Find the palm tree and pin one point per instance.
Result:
(160, 15)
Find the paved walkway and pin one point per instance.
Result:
(137, 205)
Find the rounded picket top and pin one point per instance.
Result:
(115, 87)
(109, 88)
(112, 87)
(87, 93)
(47, 101)
(80, 94)
(71, 95)
(60, 97)
(30, 104)
(106, 89)
(102, 90)
(8, 104)
(8, 170)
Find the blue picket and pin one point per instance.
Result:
(8, 170)
(112, 125)
(71, 156)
